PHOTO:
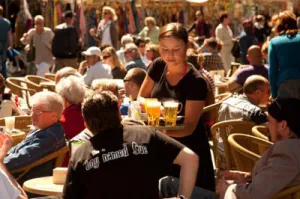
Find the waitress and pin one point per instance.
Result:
(172, 78)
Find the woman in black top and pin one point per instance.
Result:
(171, 77)
(111, 58)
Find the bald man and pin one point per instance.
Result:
(256, 67)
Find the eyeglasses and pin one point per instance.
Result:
(129, 51)
(38, 112)
(106, 13)
(106, 57)
(142, 46)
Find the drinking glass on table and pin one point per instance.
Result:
(9, 124)
(153, 111)
(171, 111)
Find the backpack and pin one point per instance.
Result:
(65, 43)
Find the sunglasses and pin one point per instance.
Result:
(129, 51)
(106, 57)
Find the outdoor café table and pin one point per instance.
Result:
(43, 186)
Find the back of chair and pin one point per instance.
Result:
(260, 132)
(20, 87)
(22, 123)
(50, 76)
(293, 192)
(58, 156)
(220, 132)
(34, 82)
(245, 149)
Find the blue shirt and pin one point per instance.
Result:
(284, 60)
(138, 63)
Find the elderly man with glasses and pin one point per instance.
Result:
(47, 138)
(133, 57)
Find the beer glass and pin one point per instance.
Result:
(9, 123)
(171, 111)
(147, 100)
(153, 111)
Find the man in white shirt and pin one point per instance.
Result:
(9, 188)
(94, 68)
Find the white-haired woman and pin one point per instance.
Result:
(72, 90)
(107, 28)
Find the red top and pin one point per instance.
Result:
(72, 121)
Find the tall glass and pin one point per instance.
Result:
(147, 100)
(171, 111)
(153, 111)
(9, 123)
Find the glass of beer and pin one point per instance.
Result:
(171, 111)
(153, 111)
(147, 100)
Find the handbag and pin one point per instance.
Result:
(235, 51)
(31, 52)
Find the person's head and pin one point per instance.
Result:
(264, 50)
(101, 111)
(39, 23)
(248, 26)
(66, 72)
(150, 22)
(92, 55)
(105, 85)
(72, 89)
(133, 81)
(152, 52)
(126, 39)
(173, 43)
(2, 84)
(199, 16)
(141, 44)
(131, 52)
(283, 119)
(257, 89)
(254, 55)
(286, 23)
(1, 11)
(110, 57)
(108, 13)
(212, 44)
(192, 58)
(103, 46)
(224, 18)
(47, 108)
(69, 17)
(259, 19)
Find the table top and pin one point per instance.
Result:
(43, 186)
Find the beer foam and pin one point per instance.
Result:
(153, 104)
(171, 104)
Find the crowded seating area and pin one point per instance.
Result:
(158, 110)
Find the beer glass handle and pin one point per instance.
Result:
(180, 107)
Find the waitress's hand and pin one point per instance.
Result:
(92, 32)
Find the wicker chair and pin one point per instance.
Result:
(50, 76)
(292, 192)
(219, 99)
(58, 156)
(246, 150)
(260, 132)
(33, 82)
(20, 87)
(220, 132)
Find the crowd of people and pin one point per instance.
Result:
(122, 158)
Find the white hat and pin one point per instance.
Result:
(92, 51)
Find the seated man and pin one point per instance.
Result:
(133, 57)
(278, 168)
(132, 84)
(49, 136)
(93, 66)
(246, 106)
(128, 158)
(9, 188)
(256, 67)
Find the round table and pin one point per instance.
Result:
(43, 186)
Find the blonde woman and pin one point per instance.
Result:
(106, 32)
(111, 58)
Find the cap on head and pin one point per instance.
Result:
(287, 109)
(92, 51)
